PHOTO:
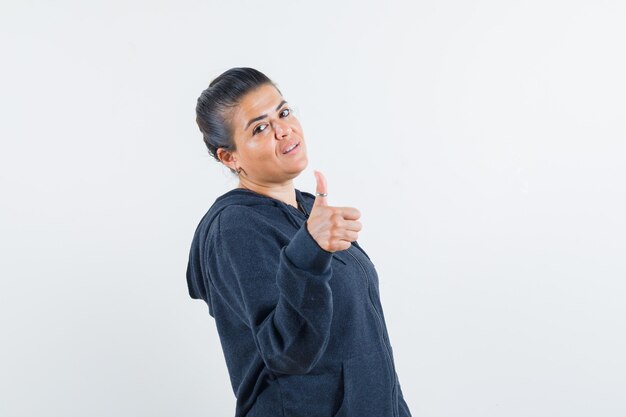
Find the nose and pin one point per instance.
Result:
(282, 130)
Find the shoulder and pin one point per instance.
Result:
(261, 223)
(238, 216)
(245, 233)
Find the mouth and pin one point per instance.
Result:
(291, 148)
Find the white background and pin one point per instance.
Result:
(482, 141)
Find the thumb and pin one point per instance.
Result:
(321, 188)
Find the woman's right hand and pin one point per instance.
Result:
(333, 228)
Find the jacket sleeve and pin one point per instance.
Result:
(281, 292)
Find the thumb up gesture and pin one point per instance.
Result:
(333, 228)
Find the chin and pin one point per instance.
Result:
(305, 163)
(297, 170)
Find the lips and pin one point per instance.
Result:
(289, 145)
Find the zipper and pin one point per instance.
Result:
(306, 213)
(378, 317)
(382, 331)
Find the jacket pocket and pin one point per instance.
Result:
(367, 386)
(343, 410)
(318, 393)
(341, 403)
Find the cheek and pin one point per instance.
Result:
(296, 124)
(263, 149)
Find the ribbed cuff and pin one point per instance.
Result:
(304, 252)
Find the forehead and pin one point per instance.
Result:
(262, 100)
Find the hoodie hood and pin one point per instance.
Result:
(197, 281)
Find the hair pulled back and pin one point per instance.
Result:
(218, 100)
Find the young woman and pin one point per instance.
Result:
(294, 296)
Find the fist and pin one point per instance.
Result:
(333, 228)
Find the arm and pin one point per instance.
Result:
(281, 293)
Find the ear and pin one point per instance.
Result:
(228, 158)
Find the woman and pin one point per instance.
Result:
(294, 296)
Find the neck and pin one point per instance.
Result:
(284, 192)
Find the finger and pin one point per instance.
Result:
(349, 236)
(349, 213)
(341, 244)
(353, 225)
(320, 188)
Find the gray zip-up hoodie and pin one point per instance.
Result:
(302, 329)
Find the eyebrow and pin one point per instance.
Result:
(263, 116)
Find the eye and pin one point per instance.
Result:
(286, 112)
(257, 129)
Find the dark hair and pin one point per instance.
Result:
(214, 106)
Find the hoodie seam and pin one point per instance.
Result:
(280, 394)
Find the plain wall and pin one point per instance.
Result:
(482, 141)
